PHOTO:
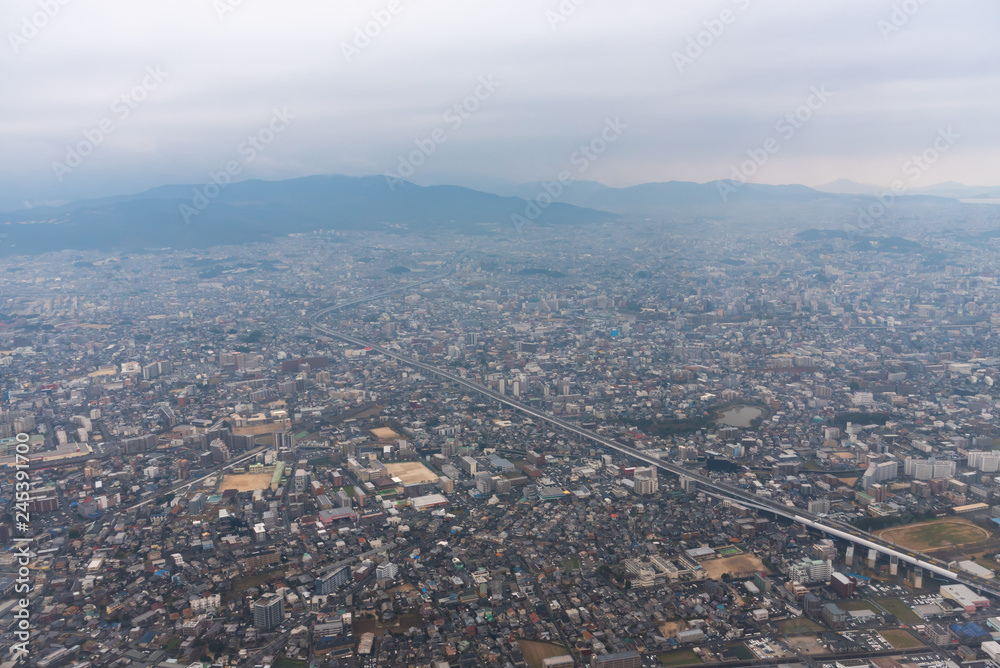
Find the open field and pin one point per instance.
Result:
(385, 434)
(536, 652)
(902, 612)
(246, 482)
(411, 472)
(241, 584)
(369, 625)
(682, 657)
(285, 662)
(742, 652)
(806, 644)
(744, 563)
(854, 606)
(799, 625)
(944, 532)
(901, 639)
(570, 565)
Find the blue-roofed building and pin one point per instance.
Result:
(970, 632)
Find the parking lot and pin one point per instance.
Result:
(870, 640)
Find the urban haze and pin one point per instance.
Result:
(527, 334)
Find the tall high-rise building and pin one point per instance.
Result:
(646, 481)
(386, 570)
(220, 453)
(333, 580)
(284, 439)
(268, 612)
(879, 473)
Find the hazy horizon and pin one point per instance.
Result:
(493, 93)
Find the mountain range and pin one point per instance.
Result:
(948, 189)
(185, 216)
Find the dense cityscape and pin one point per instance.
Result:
(257, 455)
(499, 334)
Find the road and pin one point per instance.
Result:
(705, 484)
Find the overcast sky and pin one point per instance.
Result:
(888, 80)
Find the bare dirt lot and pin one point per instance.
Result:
(806, 644)
(385, 434)
(536, 652)
(411, 472)
(743, 563)
(670, 629)
(246, 482)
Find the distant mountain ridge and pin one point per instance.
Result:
(664, 198)
(949, 189)
(187, 216)
(179, 216)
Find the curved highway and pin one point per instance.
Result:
(714, 488)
